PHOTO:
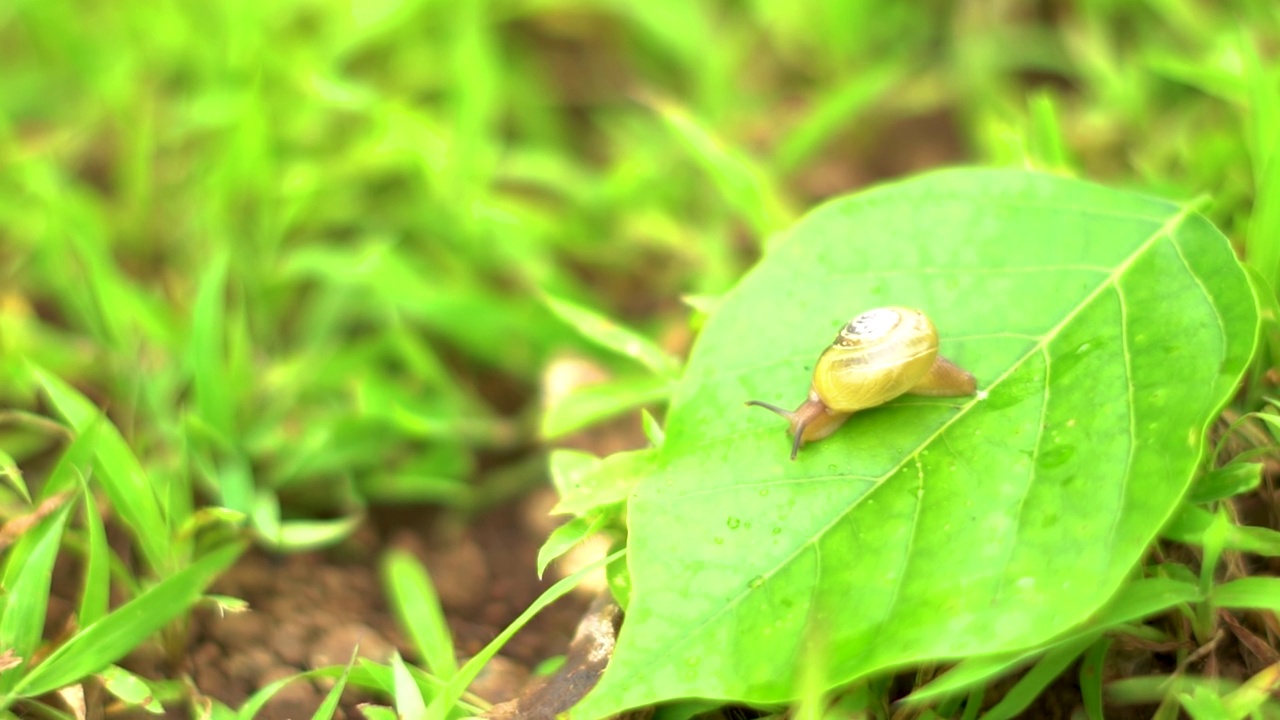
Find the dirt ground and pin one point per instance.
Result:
(312, 609)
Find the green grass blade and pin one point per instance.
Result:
(304, 535)
(1262, 242)
(1048, 668)
(652, 429)
(973, 703)
(1136, 600)
(114, 636)
(834, 111)
(564, 537)
(743, 183)
(1262, 593)
(217, 711)
(40, 711)
(367, 675)
(1091, 671)
(585, 483)
(115, 308)
(443, 703)
(1264, 103)
(298, 535)
(266, 517)
(1204, 704)
(590, 404)
(330, 704)
(409, 702)
(130, 688)
(1213, 543)
(1233, 479)
(1192, 523)
(613, 336)
(476, 97)
(379, 712)
(1254, 694)
(1046, 146)
(117, 469)
(254, 704)
(27, 572)
(417, 607)
(97, 565)
(233, 475)
(213, 391)
(11, 475)
(76, 464)
(375, 676)
(1225, 85)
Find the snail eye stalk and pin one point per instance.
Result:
(798, 423)
(798, 440)
(878, 355)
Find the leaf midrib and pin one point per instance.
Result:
(1165, 230)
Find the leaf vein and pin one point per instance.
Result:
(1131, 400)
(1204, 289)
(1164, 230)
(970, 271)
(1031, 474)
(906, 553)
(738, 486)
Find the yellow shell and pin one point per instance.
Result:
(878, 356)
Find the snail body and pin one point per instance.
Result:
(878, 355)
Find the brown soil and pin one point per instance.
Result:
(311, 610)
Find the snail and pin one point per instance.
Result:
(879, 355)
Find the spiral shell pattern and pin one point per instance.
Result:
(877, 356)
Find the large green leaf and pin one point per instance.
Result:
(1105, 329)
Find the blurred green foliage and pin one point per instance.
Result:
(300, 252)
(299, 246)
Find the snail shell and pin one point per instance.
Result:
(878, 355)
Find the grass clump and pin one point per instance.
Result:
(266, 271)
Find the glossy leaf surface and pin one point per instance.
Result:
(1106, 329)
